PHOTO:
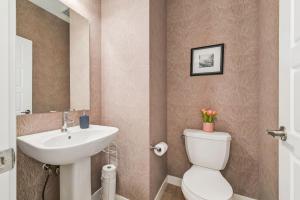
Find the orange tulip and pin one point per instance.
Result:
(208, 115)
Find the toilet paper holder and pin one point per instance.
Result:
(153, 147)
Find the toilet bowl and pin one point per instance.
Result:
(201, 183)
(208, 152)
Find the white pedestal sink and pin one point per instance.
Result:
(72, 151)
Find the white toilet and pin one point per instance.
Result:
(208, 152)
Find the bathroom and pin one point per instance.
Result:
(126, 69)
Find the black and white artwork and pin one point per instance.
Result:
(207, 60)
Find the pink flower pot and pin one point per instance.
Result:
(208, 127)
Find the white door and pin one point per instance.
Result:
(7, 100)
(289, 99)
(23, 76)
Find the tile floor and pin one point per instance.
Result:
(173, 193)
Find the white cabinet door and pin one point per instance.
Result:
(289, 99)
(23, 76)
(7, 100)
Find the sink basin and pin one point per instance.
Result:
(72, 151)
(57, 148)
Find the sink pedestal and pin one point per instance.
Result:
(75, 180)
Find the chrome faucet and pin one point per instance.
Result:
(66, 122)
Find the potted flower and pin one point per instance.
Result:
(209, 118)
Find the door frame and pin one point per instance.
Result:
(12, 106)
(288, 151)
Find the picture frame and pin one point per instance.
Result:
(207, 60)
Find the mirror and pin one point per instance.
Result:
(52, 58)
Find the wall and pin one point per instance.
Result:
(79, 62)
(268, 97)
(125, 90)
(30, 182)
(50, 56)
(158, 91)
(234, 95)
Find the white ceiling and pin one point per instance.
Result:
(55, 7)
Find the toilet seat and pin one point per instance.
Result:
(201, 183)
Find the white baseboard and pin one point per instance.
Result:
(119, 197)
(97, 196)
(240, 197)
(162, 189)
(173, 180)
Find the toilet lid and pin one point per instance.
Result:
(207, 184)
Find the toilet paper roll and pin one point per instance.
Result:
(160, 149)
(109, 171)
(108, 182)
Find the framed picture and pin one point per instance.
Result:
(207, 60)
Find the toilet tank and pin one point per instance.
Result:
(210, 150)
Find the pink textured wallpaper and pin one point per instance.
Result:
(30, 182)
(158, 104)
(268, 98)
(125, 90)
(234, 95)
